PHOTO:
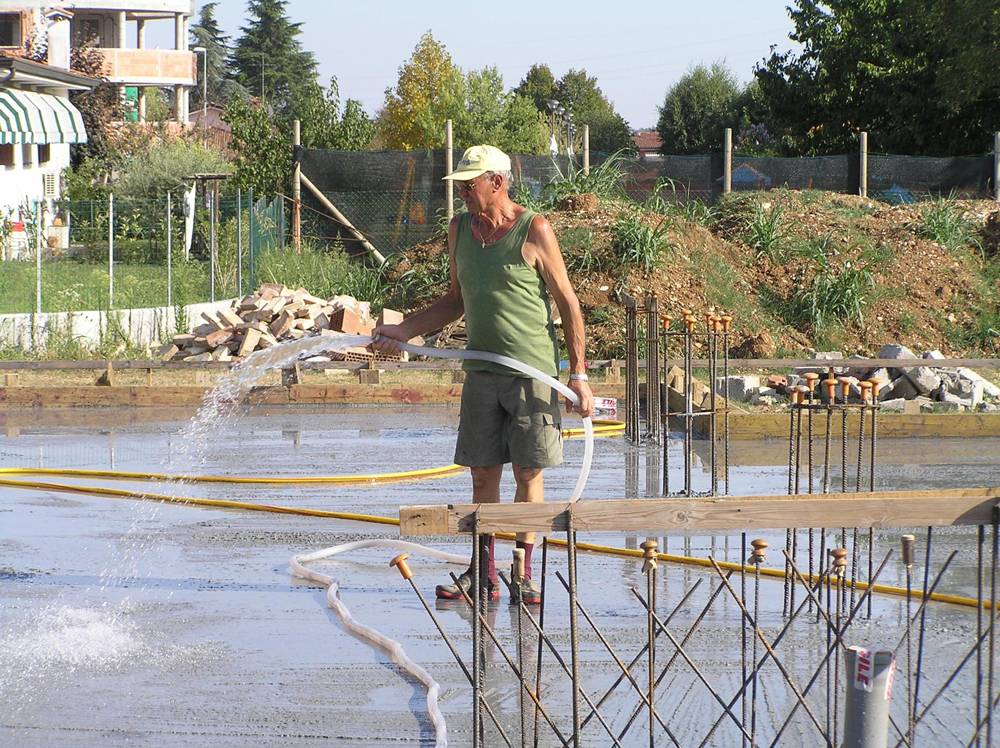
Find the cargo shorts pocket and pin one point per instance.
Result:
(536, 441)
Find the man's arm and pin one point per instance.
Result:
(548, 261)
(439, 313)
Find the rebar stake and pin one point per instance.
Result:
(909, 544)
(839, 564)
(649, 569)
(756, 558)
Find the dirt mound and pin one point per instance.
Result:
(797, 270)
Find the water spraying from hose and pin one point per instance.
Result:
(285, 353)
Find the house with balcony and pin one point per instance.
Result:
(38, 123)
(118, 28)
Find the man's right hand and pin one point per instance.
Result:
(386, 338)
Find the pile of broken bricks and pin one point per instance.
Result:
(274, 314)
(908, 388)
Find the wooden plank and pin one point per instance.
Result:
(960, 506)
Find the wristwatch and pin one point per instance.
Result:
(578, 378)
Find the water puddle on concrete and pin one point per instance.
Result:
(158, 624)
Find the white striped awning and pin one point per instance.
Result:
(30, 117)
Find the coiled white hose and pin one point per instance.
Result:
(390, 647)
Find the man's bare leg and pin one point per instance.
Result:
(530, 488)
(486, 490)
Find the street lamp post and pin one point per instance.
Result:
(204, 92)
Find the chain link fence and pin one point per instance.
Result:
(115, 253)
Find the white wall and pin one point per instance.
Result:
(144, 326)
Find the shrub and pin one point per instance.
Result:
(950, 226)
(684, 206)
(765, 232)
(637, 243)
(834, 296)
(578, 250)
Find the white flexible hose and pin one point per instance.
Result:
(390, 647)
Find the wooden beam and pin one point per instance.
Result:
(959, 506)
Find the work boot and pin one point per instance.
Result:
(454, 592)
(525, 591)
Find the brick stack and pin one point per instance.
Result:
(274, 314)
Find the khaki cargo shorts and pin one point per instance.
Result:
(508, 419)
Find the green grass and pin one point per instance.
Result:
(637, 244)
(72, 286)
(577, 243)
(947, 224)
(764, 232)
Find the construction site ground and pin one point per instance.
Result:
(148, 624)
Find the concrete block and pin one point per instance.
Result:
(739, 388)
(901, 387)
(950, 399)
(923, 379)
(896, 405)
(895, 351)
(827, 355)
(389, 317)
(935, 354)
(989, 389)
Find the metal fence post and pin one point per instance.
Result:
(211, 243)
(449, 186)
(111, 250)
(870, 673)
(586, 150)
(38, 258)
(250, 266)
(727, 161)
(170, 278)
(239, 242)
(996, 166)
(863, 165)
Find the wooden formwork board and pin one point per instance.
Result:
(960, 506)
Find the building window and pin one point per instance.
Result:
(44, 153)
(10, 30)
(7, 155)
(86, 30)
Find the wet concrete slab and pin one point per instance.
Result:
(138, 623)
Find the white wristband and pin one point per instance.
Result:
(578, 378)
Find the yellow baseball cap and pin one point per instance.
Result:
(478, 160)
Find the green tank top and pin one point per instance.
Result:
(506, 301)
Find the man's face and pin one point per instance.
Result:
(475, 192)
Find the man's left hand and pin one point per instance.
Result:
(586, 405)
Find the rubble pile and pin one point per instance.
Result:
(274, 314)
(927, 388)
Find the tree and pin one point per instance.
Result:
(501, 118)
(580, 95)
(263, 156)
(538, 85)
(430, 90)
(697, 109)
(99, 107)
(164, 164)
(207, 34)
(325, 126)
(913, 73)
(268, 60)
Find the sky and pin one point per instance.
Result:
(636, 55)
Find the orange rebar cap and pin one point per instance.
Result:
(400, 563)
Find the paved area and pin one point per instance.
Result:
(142, 624)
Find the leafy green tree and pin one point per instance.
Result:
(324, 125)
(263, 158)
(580, 95)
(539, 85)
(268, 60)
(910, 72)
(430, 90)
(99, 107)
(163, 165)
(207, 33)
(498, 117)
(697, 109)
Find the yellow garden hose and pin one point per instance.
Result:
(372, 518)
(601, 428)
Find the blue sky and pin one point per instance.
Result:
(636, 54)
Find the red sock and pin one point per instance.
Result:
(491, 564)
(527, 547)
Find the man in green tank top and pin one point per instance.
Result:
(504, 263)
